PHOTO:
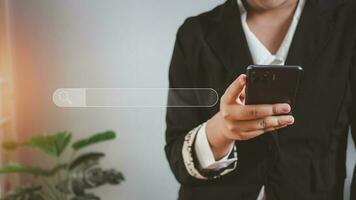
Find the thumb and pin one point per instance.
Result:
(234, 90)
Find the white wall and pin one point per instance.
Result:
(101, 43)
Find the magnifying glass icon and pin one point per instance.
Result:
(64, 97)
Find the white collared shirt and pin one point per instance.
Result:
(261, 56)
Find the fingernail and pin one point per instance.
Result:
(242, 80)
(286, 109)
(290, 120)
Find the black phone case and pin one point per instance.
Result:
(270, 84)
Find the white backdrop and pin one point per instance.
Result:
(101, 43)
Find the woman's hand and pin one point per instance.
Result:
(236, 121)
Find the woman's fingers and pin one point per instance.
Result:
(237, 121)
(251, 112)
(234, 90)
(263, 123)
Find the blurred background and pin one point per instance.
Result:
(50, 44)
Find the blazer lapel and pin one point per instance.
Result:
(314, 30)
(227, 40)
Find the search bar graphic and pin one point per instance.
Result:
(134, 97)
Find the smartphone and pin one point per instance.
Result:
(270, 84)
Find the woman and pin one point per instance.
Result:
(236, 151)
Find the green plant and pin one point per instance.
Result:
(67, 178)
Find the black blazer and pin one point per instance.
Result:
(305, 161)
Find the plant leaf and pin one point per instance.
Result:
(13, 168)
(53, 145)
(17, 168)
(96, 138)
(62, 141)
(44, 143)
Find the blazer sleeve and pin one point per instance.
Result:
(353, 115)
(183, 123)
